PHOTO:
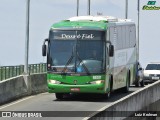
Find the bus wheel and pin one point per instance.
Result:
(59, 95)
(108, 95)
(142, 83)
(137, 83)
(126, 88)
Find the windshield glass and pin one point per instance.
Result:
(77, 51)
(153, 67)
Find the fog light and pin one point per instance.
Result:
(97, 82)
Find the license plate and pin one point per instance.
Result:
(155, 78)
(75, 89)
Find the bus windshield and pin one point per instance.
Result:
(80, 51)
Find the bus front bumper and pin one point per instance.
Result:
(89, 88)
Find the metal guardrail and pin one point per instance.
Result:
(12, 71)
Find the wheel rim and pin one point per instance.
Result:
(108, 94)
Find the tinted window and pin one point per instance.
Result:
(153, 67)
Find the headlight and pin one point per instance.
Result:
(54, 82)
(146, 75)
(97, 82)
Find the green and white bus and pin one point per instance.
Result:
(90, 54)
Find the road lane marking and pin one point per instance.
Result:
(10, 104)
(21, 100)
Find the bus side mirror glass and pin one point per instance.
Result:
(43, 50)
(111, 50)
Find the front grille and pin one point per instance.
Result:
(154, 75)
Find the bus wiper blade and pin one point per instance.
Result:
(85, 67)
(68, 62)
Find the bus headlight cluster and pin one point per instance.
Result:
(54, 82)
(97, 82)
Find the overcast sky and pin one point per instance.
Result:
(43, 13)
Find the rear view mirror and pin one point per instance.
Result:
(43, 50)
(111, 50)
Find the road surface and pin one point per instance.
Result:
(48, 102)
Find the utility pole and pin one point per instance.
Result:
(126, 10)
(27, 37)
(138, 6)
(89, 3)
(77, 7)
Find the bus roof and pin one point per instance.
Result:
(88, 22)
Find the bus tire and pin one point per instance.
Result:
(111, 82)
(59, 95)
(108, 94)
(142, 83)
(126, 88)
(137, 83)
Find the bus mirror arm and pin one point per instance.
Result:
(46, 40)
(44, 47)
(111, 49)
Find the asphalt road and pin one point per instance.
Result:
(48, 102)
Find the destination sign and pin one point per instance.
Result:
(81, 35)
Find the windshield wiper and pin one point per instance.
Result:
(68, 62)
(84, 66)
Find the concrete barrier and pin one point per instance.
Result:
(144, 100)
(36, 83)
(20, 86)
